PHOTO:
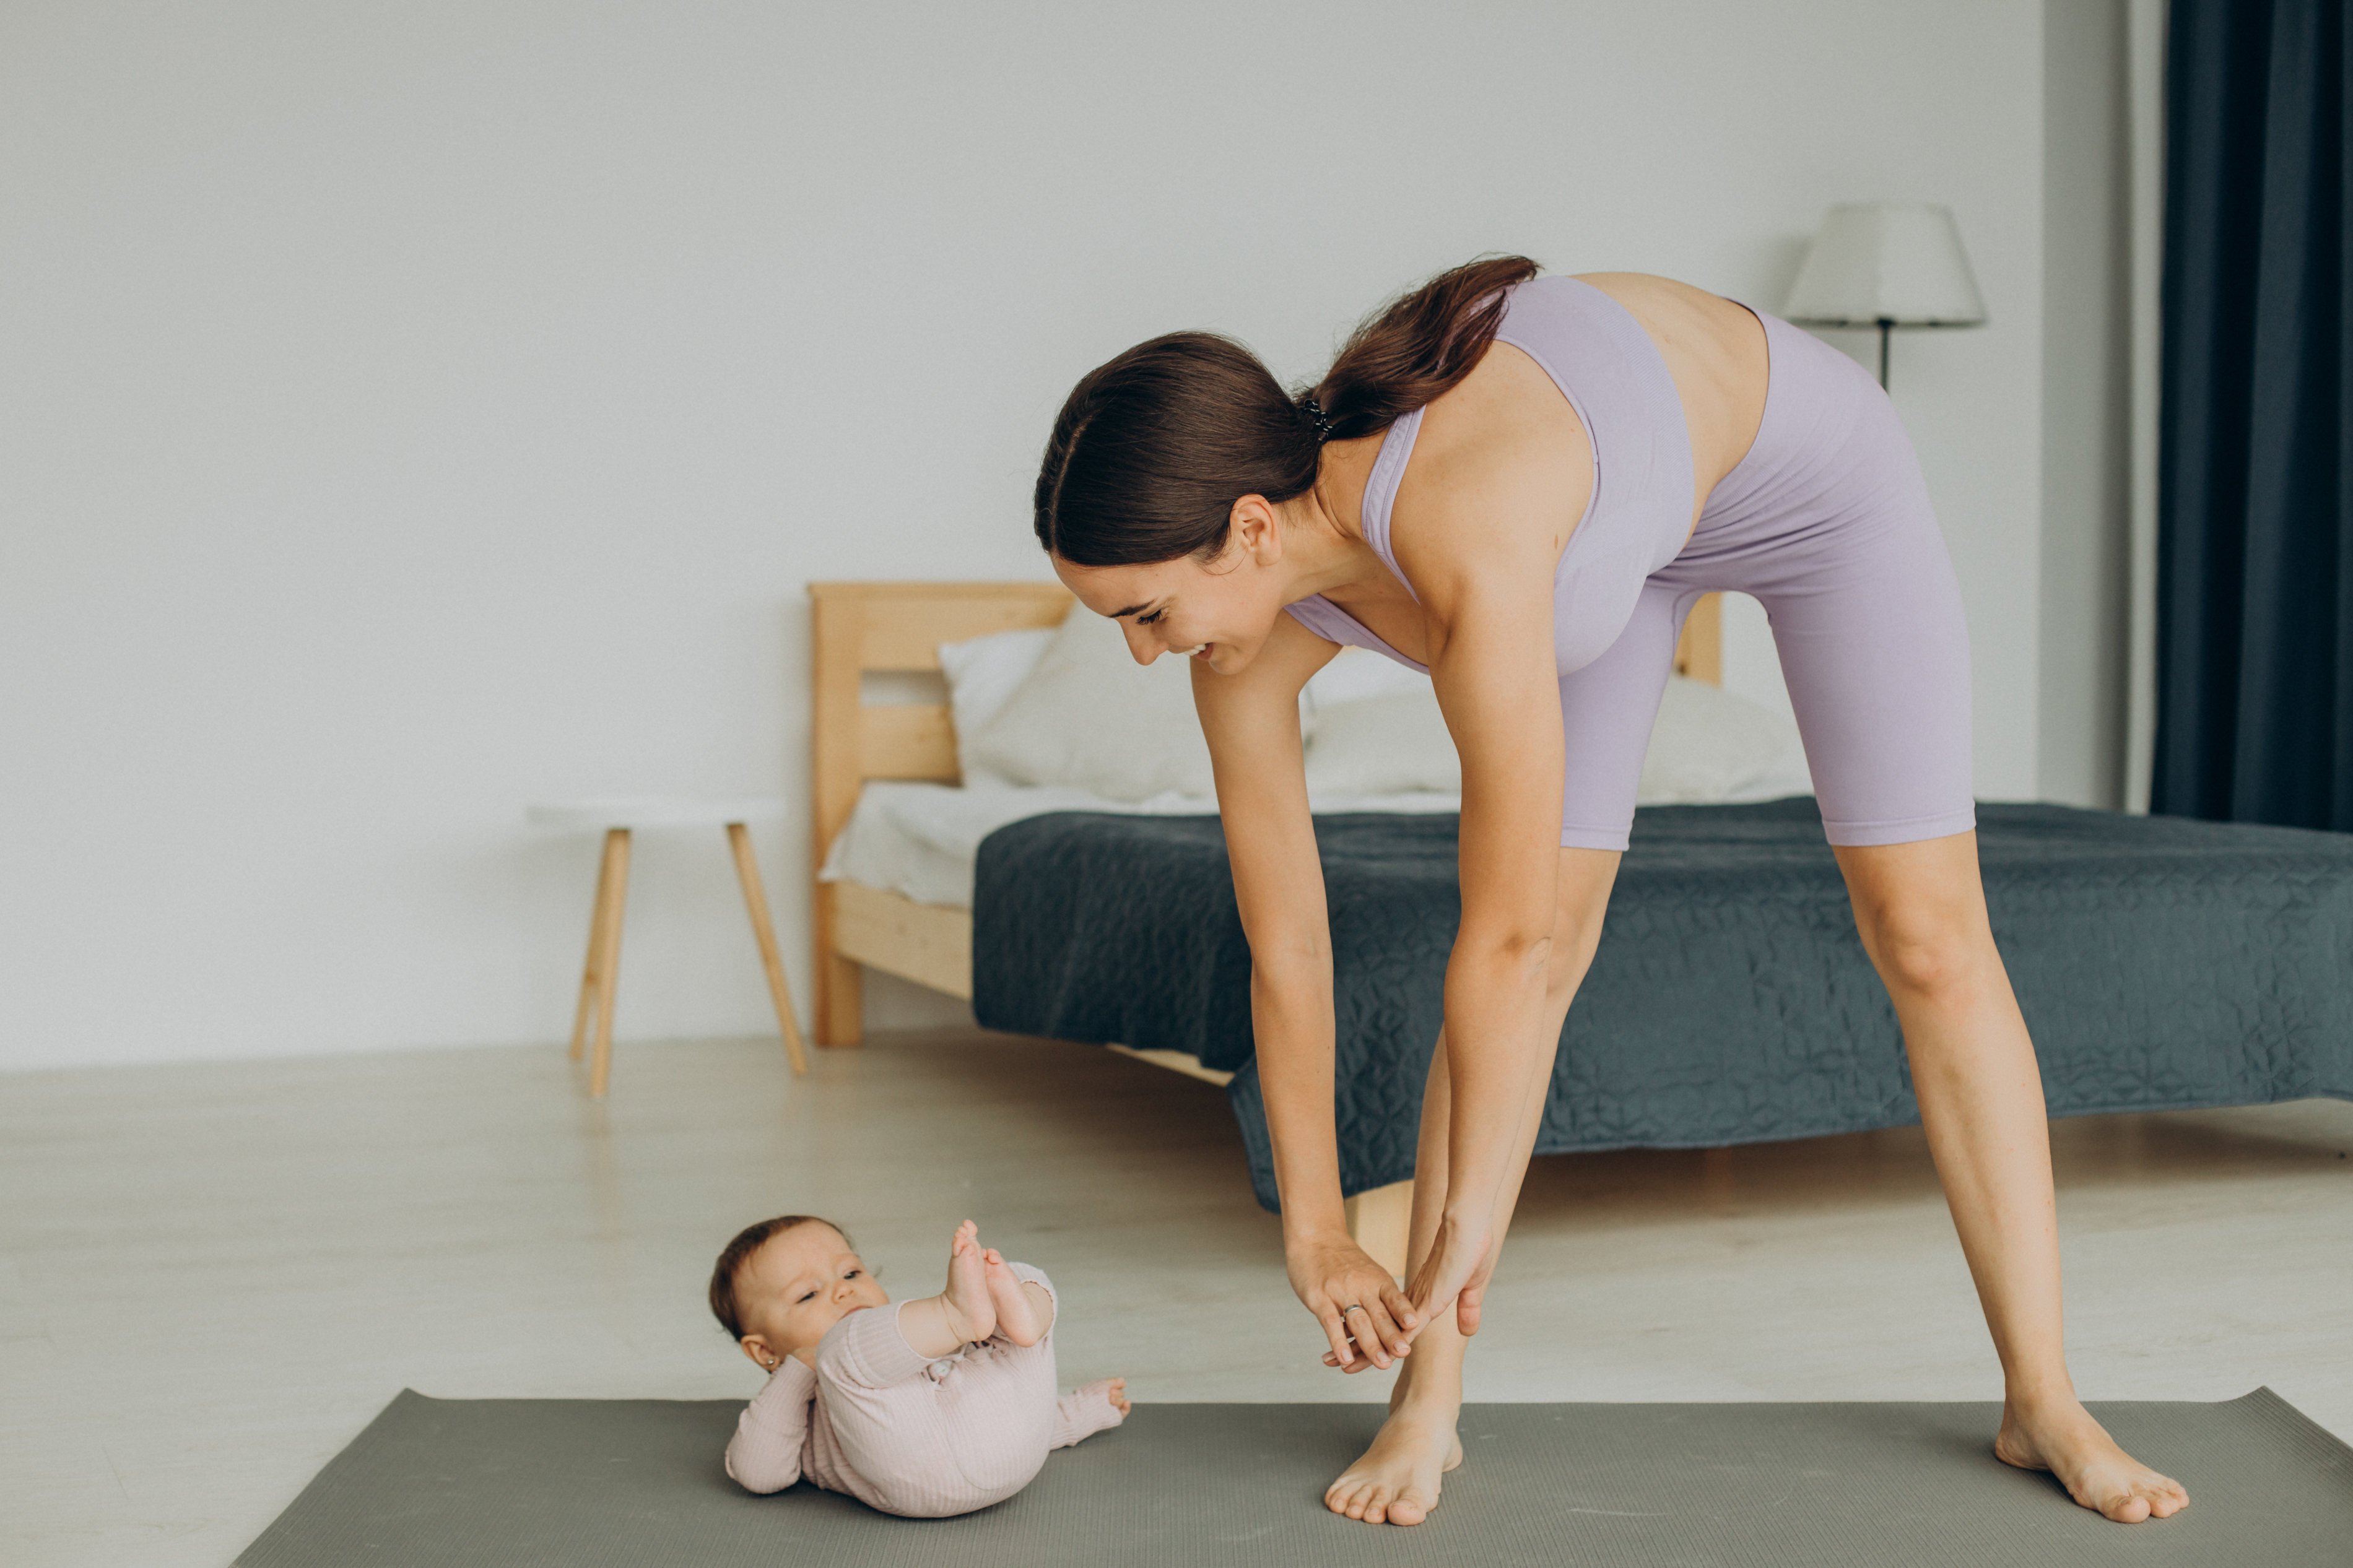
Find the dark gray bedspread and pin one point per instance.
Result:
(2161, 962)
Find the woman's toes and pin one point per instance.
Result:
(1408, 1509)
(2159, 1497)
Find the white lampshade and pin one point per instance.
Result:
(1897, 262)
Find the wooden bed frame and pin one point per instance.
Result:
(895, 628)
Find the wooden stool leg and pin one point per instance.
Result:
(756, 899)
(587, 1008)
(613, 886)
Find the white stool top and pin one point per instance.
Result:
(654, 811)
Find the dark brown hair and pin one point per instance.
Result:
(738, 1252)
(1153, 448)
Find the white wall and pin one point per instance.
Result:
(2086, 395)
(412, 410)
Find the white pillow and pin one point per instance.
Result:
(1708, 745)
(982, 673)
(1091, 718)
(1357, 672)
(1705, 746)
(1389, 744)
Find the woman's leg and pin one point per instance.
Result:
(1397, 1479)
(1921, 909)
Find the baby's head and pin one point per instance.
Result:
(781, 1283)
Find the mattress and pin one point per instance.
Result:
(923, 840)
(2161, 963)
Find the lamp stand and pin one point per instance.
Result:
(1886, 330)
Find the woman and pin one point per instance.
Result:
(1522, 485)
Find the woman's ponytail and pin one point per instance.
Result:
(1418, 348)
(1151, 450)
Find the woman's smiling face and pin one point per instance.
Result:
(1219, 611)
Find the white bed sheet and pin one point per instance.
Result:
(923, 840)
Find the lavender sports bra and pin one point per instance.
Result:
(1643, 486)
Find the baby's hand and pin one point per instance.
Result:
(1024, 1311)
(969, 1297)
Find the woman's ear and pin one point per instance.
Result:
(1253, 528)
(756, 1346)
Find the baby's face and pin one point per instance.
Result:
(798, 1285)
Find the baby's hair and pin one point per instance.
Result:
(738, 1252)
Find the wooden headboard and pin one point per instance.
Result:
(876, 629)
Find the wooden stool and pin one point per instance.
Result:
(618, 818)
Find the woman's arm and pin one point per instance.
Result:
(1251, 722)
(1491, 538)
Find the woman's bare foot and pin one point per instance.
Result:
(1114, 1391)
(969, 1302)
(1397, 1480)
(2066, 1441)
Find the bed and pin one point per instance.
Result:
(912, 917)
(2161, 962)
(864, 630)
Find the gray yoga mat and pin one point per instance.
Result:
(584, 1483)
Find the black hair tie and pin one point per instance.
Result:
(1312, 412)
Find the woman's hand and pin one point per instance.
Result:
(1461, 1259)
(1364, 1314)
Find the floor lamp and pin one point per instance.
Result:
(1887, 265)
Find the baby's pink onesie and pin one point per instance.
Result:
(923, 1438)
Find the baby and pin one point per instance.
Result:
(930, 1408)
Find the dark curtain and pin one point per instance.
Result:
(2255, 719)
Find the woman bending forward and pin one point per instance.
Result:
(1520, 484)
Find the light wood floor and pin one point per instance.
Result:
(211, 1276)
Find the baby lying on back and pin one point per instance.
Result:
(929, 1408)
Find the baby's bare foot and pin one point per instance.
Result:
(1021, 1315)
(2097, 1473)
(1397, 1480)
(1090, 1408)
(970, 1303)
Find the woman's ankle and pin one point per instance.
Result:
(1423, 1390)
(2033, 1398)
